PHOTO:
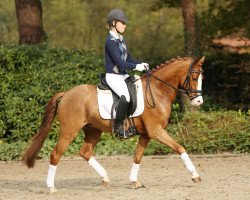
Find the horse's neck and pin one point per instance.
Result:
(171, 74)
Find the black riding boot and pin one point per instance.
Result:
(120, 115)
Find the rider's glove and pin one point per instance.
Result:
(142, 66)
(139, 67)
(146, 65)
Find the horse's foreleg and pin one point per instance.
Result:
(161, 135)
(92, 137)
(141, 146)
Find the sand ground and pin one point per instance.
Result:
(224, 177)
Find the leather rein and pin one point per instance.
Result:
(186, 88)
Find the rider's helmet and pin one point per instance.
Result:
(117, 14)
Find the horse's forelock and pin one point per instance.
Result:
(195, 62)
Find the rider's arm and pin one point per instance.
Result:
(132, 60)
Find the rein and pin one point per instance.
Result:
(185, 89)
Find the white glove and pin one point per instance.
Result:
(146, 65)
(139, 67)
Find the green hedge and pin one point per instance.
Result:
(30, 75)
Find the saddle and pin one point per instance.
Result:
(131, 88)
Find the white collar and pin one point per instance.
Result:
(115, 35)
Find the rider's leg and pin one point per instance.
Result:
(120, 115)
(118, 85)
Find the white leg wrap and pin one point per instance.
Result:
(134, 172)
(51, 176)
(98, 168)
(189, 165)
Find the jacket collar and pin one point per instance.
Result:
(116, 36)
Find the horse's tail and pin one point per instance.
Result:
(38, 139)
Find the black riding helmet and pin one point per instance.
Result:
(117, 14)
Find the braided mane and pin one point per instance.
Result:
(166, 63)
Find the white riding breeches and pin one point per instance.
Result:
(117, 83)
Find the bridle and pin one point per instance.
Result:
(186, 88)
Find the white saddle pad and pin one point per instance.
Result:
(105, 102)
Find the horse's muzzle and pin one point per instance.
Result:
(197, 101)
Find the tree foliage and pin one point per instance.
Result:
(154, 32)
(152, 36)
(225, 18)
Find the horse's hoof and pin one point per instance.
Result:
(137, 185)
(196, 179)
(52, 190)
(106, 184)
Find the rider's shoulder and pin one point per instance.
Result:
(111, 40)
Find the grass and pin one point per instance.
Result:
(199, 132)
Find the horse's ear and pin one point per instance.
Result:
(201, 61)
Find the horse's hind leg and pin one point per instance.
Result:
(141, 146)
(66, 137)
(92, 137)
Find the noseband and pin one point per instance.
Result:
(186, 88)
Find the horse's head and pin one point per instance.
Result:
(181, 74)
(193, 82)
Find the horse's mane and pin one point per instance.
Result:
(168, 62)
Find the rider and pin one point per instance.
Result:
(118, 61)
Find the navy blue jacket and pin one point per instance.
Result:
(114, 59)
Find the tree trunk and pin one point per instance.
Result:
(247, 5)
(190, 19)
(29, 16)
(191, 41)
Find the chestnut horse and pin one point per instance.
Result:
(78, 109)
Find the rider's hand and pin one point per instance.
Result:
(146, 65)
(140, 67)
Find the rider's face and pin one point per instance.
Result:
(121, 26)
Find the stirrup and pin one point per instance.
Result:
(131, 132)
(120, 132)
(132, 129)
